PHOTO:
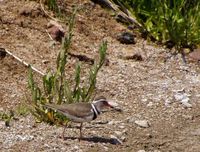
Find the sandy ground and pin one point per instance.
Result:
(159, 95)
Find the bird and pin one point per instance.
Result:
(81, 112)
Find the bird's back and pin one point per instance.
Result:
(77, 112)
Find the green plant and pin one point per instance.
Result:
(56, 89)
(22, 109)
(175, 21)
(53, 6)
(7, 117)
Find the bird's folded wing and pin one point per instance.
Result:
(76, 109)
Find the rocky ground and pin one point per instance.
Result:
(159, 93)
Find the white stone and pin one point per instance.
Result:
(142, 123)
(118, 133)
(183, 98)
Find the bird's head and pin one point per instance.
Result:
(101, 103)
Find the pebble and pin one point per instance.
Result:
(76, 148)
(167, 102)
(195, 55)
(121, 127)
(118, 133)
(183, 98)
(116, 141)
(150, 104)
(186, 104)
(131, 119)
(123, 138)
(24, 138)
(196, 132)
(113, 122)
(141, 150)
(56, 33)
(105, 148)
(2, 124)
(32, 9)
(142, 123)
(189, 117)
(126, 38)
(55, 30)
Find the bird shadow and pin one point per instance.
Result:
(96, 139)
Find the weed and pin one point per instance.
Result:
(7, 117)
(56, 89)
(22, 110)
(174, 21)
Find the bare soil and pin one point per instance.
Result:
(145, 90)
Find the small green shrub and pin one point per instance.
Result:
(53, 6)
(175, 21)
(56, 89)
(7, 117)
(22, 110)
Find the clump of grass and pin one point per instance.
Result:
(174, 21)
(22, 109)
(7, 117)
(53, 6)
(58, 90)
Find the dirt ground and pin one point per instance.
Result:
(160, 91)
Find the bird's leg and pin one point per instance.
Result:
(63, 137)
(80, 137)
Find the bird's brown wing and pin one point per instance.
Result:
(77, 109)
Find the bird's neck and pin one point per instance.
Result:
(95, 110)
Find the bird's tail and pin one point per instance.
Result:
(56, 108)
(51, 106)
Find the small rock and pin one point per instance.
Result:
(76, 147)
(196, 132)
(195, 55)
(45, 61)
(1, 109)
(2, 124)
(126, 38)
(55, 30)
(149, 136)
(167, 102)
(121, 127)
(115, 140)
(100, 122)
(112, 122)
(123, 138)
(31, 9)
(186, 104)
(131, 119)
(142, 123)
(183, 98)
(141, 150)
(56, 33)
(105, 148)
(189, 117)
(2, 53)
(118, 133)
(24, 138)
(150, 104)
(13, 95)
(135, 57)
